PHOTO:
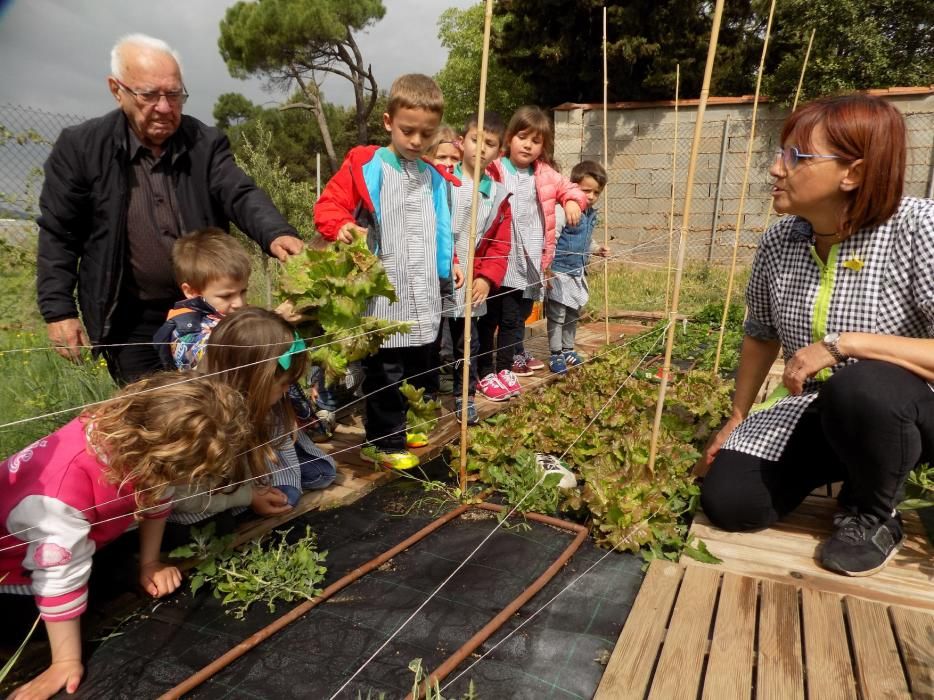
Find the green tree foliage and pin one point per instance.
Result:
(294, 135)
(461, 33)
(860, 44)
(233, 109)
(296, 41)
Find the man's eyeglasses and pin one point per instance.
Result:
(152, 97)
(285, 359)
(791, 156)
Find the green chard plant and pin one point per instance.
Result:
(422, 415)
(627, 505)
(283, 571)
(329, 289)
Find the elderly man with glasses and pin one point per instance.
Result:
(119, 190)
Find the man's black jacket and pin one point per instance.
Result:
(83, 211)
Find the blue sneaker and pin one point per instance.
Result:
(571, 358)
(472, 416)
(557, 364)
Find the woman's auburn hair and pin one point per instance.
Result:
(532, 118)
(856, 127)
(243, 351)
(169, 427)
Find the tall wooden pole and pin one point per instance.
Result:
(804, 67)
(471, 248)
(606, 201)
(685, 225)
(742, 193)
(674, 175)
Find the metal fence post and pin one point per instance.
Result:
(716, 204)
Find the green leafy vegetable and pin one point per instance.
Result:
(329, 289)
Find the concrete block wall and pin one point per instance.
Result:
(637, 200)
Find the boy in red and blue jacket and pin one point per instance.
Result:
(401, 204)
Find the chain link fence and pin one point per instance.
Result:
(637, 201)
(26, 138)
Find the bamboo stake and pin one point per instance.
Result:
(606, 202)
(674, 173)
(794, 106)
(471, 246)
(742, 194)
(685, 219)
(804, 67)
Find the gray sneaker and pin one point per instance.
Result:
(861, 544)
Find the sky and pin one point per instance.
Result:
(56, 53)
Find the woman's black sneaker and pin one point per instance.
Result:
(861, 544)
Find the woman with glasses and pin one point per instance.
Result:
(843, 286)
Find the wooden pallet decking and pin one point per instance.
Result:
(787, 552)
(702, 632)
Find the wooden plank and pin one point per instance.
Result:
(826, 648)
(914, 633)
(780, 673)
(768, 554)
(732, 653)
(878, 666)
(680, 665)
(629, 670)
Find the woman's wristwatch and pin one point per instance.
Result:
(831, 341)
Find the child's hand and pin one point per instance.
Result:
(60, 674)
(349, 231)
(603, 251)
(458, 277)
(572, 212)
(481, 290)
(287, 311)
(269, 501)
(159, 579)
(548, 276)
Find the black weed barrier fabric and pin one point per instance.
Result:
(556, 655)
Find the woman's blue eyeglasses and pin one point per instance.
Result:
(790, 156)
(285, 359)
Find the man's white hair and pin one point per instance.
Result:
(139, 40)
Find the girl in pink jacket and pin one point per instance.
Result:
(527, 170)
(73, 491)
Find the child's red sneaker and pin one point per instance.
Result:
(490, 387)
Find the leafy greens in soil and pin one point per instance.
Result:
(628, 506)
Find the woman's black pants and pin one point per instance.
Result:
(871, 424)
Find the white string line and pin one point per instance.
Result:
(308, 339)
(551, 600)
(277, 438)
(222, 487)
(72, 409)
(483, 541)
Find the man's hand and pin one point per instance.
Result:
(572, 212)
(458, 277)
(349, 231)
(481, 290)
(269, 501)
(284, 246)
(159, 579)
(287, 311)
(68, 338)
(61, 674)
